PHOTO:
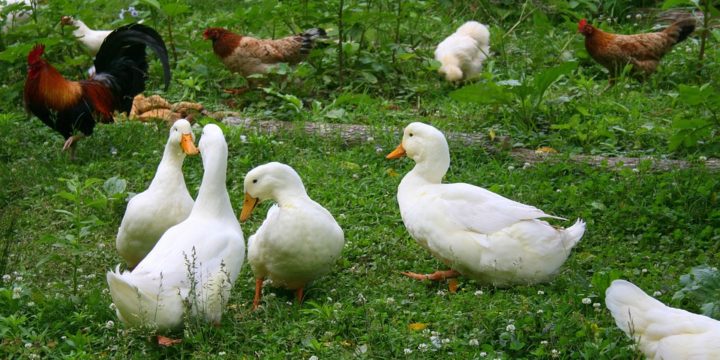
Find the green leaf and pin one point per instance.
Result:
(152, 3)
(693, 95)
(488, 93)
(676, 3)
(175, 9)
(114, 186)
(547, 77)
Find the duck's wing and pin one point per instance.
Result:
(481, 210)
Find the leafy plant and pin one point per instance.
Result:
(701, 287)
(691, 130)
(523, 98)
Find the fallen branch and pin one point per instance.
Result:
(354, 134)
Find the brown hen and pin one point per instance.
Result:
(642, 51)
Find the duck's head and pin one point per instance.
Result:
(268, 182)
(420, 141)
(212, 141)
(181, 134)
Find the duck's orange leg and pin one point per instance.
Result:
(258, 292)
(299, 295)
(437, 276)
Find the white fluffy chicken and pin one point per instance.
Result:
(462, 54)
(660, 331)
(91, 39)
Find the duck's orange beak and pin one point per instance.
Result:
(188, 145)
(397, 153)
(248, 206)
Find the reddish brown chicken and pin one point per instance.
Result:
(248, 55)
(643, 51)
(73, 107)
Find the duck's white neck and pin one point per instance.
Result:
(169, 172)
(287, 195)
(213, 199)
(82, 29)
(430, 167)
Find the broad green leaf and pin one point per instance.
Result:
(152, 3)
(114, 186)
(692, 95)
(487, 93)
(175, 9)
(676, 3)
(543, 80)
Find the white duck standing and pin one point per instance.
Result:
(299, 240)
(91, 39)
(660, 331)
(165, 203)
(195, 262)
(476, 232)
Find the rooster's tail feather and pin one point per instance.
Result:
(309, 37)
(122, 56)
(681, 29)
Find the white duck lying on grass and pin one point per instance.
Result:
(476, 232)
(195, 262)
(299, 240)
(165, 203)
(660, 331)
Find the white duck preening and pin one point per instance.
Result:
(165, 203)
(91, 39)
(461, 55)
(476, 232)
(660, 331)
(299, 240)
(195, 262)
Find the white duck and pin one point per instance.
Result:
(476, 232)
(165, 203)
(195, 262)
(91, 39)
(462, 54)
(299, 240)
(660, 331)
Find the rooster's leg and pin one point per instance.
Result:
(70, 144)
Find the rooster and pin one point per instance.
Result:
(462, 54)
(73, 107)
(248, 55)
(642, 51)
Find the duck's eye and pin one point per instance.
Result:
(254, 181)
(411, 134)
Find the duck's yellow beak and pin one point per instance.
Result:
(248, 207)
(397, 153)
(188, 145)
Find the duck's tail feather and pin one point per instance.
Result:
(137, 307)
(574, 233)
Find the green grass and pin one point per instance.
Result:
(648, 227)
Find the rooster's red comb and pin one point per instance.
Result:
(582, 24)
(35, 53)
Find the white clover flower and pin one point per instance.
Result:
(313, 358)
(222, 353)
(390, 300)
(474, 342)
(540, 292)
(243, 139)
(483, 354)
(554, 353)
(110, 324)
(510, 328)
(31, 304)
(701, 158)
(423, 347)
(112, 306)
(479, 292)
(511, 168)
(445, 341)
(407, 351)
(28, 345)
(644, 270)
(17, 291)
(540, 311)
(441, 293)
(596, 305)
(370, 139)
(627, 16)
(435, 341)
(657, 293)
(361, 299)
(7, 278)
(638, 16)
(19, 278)
(544, 342)
(586, 301)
